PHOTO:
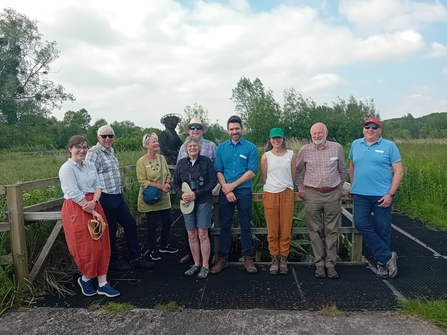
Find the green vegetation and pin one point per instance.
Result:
(422, 192)
(115, 308)
(432, 311)
(169, 307)
(330, 310)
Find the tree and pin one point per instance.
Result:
(245, 96)
(74, 123)
(92, 131)
(257, 108)
(24, 67)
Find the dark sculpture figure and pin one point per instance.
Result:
(169, 140)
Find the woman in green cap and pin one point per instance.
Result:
(277, 170)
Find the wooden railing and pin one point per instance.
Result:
(50, 210)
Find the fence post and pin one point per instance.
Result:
(17, 232)
(216, 225)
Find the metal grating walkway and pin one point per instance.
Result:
(420, 275)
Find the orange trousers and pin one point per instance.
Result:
(278, 211)
(92, 257)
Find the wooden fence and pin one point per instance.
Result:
(18, 215)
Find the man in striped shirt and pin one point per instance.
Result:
(112, 201)
(324, 168)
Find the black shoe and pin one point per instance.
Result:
(168, 249)
(154, 255)
(141, 263)
(120, 265)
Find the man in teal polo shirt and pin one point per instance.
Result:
(236, 165)
(375, 172)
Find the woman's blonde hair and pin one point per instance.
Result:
(147, 138)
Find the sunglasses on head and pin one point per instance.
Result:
(373, 127)
(195, 127)
(109, 136)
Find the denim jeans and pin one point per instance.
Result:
(375, 232)
(117, 211)
(226, 211)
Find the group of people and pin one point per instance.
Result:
(92, 187)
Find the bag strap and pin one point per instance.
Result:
(161, 171)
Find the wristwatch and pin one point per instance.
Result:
(392, 194)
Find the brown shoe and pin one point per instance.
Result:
(332, 273)
(220, 265)
(248, 265)
(186, 259)
(283, 268)
(320, 272)
(274, 266)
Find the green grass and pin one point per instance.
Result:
(115, 308)
(432, 311)
(422, 193)
(169, 307)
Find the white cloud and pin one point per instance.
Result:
(392, 14)
(437, 50)
(139, 60)
(322, 81)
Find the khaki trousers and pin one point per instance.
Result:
(278, 211)
(323, 216)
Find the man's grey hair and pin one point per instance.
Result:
(190, 139)
(106, 129)
(147, 138)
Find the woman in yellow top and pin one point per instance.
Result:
(152, 170)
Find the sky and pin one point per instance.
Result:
(138, 60)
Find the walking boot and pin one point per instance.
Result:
(274, 266)
(220, 265)
(248, 265)
(283, 268)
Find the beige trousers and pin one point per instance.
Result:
(323, 216)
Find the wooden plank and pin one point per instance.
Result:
(2, 190)
(217, 225)
(295, 230)
(356, 247)
(5, 226)
(32, 185)
(45, 250)
(257, 197)
(44, 206)
(40, 216)
(6, 259)
(347, 214)
(17, 232)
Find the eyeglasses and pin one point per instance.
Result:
(373, 127)
(109, 136)
(78, 147)
(195, 127)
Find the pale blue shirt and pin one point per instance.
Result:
(207, 148)
(77, 181)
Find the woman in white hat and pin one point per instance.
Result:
(194, 181)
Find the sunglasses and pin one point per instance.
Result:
(109, 136)
(195, 127)
(373, 127)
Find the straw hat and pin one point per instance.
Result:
(195, 122)
(96, 227)
(186, 206)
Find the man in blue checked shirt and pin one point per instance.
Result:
(112, 201)
(236, 165)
